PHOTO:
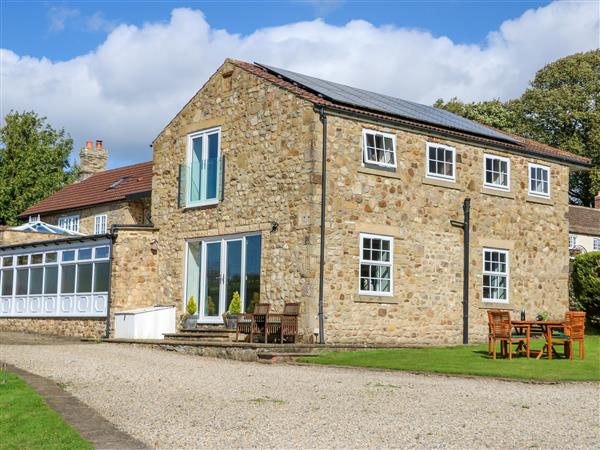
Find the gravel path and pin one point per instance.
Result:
(170, 400)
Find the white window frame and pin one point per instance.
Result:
(535, 193)
(429, 174)
(596, 244)
(572, 241)
(389, 263)
(490, 273)
(34, 218)
(499, 187)
(100, 224)
(70, 223)
(366, 159)
(190, 146)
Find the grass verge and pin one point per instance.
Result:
(472, 360)
(26, 421)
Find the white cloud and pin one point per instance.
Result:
(128, 88)
(59, 15)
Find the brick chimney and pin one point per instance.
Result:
(92, 160)
(597, 201)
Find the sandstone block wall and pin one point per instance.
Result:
(8, 236)
(267, 139)
(83, 328)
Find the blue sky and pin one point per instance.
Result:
(119, 71)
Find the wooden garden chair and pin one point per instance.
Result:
(285, 324)
(502, 330)
(253, 323)
(571, 330)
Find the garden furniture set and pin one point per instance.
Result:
(519, 332)
(264, 323)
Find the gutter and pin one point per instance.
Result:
(323, 119)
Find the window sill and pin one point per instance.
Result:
(201, 205)
(361, 298)
(498, 193)
(383, 172)
(439, 182)
(496, 305)
(540, 200)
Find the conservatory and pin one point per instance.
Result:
(63, 278)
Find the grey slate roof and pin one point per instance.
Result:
(390, 105)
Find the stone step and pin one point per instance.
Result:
(201, 336)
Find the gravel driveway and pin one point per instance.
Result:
(170, 400)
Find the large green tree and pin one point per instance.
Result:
(559, 108)
(33, 163)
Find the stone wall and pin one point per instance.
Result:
(8, 236)
(428, 252)
(125, 212)
(83, 328)
(267, 139)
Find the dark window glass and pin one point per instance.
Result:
(51, 257)
(101, 252)
(85, 253)
(68, 255)
(22, 260)
(7, 261)
(22, 281)
(50, 279)
(252, 273)
(84, 277)
(101, 276)
(7, 282)
(37, 258)
(67, 279)
(36, 275)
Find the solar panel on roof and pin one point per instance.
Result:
(390, 105)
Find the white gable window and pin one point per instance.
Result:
(70, 223)
(100, 224)
(204, 167)
(379, 148)
(34, 218)
(496, 172)
(495, 275)
(441, 161)
(376, 256)
(596, 245)
(539, 180)
(572, 241)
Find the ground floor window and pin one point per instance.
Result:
(495, 275)
(376, 256)
(217, 268)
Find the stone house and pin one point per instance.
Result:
(584, 227)
(283, 187)
(100, 198)
(72, 283)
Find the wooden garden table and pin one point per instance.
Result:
(542, 325)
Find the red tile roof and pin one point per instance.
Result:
(96, 189)
(584, 220)
(525, 145)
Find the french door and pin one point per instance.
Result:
(217, 268)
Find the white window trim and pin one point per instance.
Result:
(507, 273)
(572, 237)
(74, 217)
(382, 263)
(191, 136)
(535, 193)
(366, 160)
(98, 223)
(34, 218)
(596, 244)
(428, 174)
(498, 187)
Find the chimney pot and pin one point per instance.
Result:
(88, 144)
(98, 145)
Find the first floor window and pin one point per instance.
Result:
(34, 218)
(539, 180)
(572, 241)
(497, 172)
(100, 224)
(70, 223)
(495, 275)
(203, 177)
(379, 148)
(441, 161)
(596, 244)
(376, 256)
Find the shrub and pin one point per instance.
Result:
(235, 307)
(191, 307)
(585, 280)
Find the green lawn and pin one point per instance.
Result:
(26, 421)
(472, 360)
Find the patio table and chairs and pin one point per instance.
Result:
(283, 326)
(555, 333)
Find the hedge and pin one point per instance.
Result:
(585, 281)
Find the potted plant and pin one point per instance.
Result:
(231, 316)
(188, 319)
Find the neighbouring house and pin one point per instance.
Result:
(237, 196)
(85, 253)
(284, 187)
(584, 227)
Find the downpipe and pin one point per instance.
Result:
(323, 119)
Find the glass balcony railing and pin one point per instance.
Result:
(201, 182)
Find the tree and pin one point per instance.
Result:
(33, 163)
(559, 108)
